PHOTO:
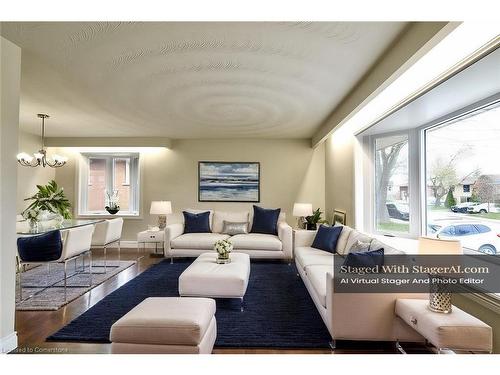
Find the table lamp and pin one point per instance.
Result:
(161, 208)
(439, 296)
(301, 210)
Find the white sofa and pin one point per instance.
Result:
(350, 316)
(256, 245)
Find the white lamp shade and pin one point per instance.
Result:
(436, 246)
(302, 209)
(160, 208)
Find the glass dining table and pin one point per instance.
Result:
(23, 228)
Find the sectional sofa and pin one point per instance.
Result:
(256, 245)
(350, 316)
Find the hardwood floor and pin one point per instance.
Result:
(34, 326)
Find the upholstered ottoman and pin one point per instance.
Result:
(454, 331)
(166, 325)
(205, 278)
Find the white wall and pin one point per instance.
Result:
(10, 74)
(28, 178)
(291, 171)
(339, 175)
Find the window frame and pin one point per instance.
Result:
(417, 172)
(134, 169)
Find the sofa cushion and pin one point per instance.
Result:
(256, 241)
(220, 216)
(388, 250)
(233, 228)
(265, 220)
(360, 247)
(197, 211)
(354, 237)
(196, 223)
(309, 256)
(317, 277)
(281, 219)
(204, 241)
(365, 259)
(326, 238)
(343, 238)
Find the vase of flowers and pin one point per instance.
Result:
(112, 201)
(223, 248)
(33, 218)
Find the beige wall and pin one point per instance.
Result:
(339, 175)
(10, 75)
(28, 178)
(291, 171)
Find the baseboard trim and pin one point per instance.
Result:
(8, 343)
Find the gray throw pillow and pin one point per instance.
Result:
(233, 228)
(360, 247)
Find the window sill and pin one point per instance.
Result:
(490, 301)
(109, 216)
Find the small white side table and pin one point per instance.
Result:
(457, 330)
(156, 237)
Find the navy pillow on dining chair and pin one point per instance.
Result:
(42, 248)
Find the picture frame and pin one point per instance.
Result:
(221, 181)
(339, 216)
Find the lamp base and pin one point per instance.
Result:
(301, 222)
(162, 221)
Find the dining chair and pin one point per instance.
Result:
(55, 247)
(107, 233)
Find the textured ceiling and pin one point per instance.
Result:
(191, 80)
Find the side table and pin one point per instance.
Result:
(155, 237)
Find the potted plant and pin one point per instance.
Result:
(50, 198)
(315, 219)
(223, 248)
(112, 202)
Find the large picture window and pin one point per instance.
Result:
(463, 180)
(107, 174)
(440, 180)
(392, 184)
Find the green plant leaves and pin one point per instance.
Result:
(50, 198)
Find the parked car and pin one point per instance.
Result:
(462, 207)
(476, 236)
(480, 208)
(396, 212)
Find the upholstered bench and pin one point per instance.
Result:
(454, 331)
(166, 325)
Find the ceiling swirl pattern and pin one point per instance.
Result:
(191, 79)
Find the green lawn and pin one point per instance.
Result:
(394, 227)
(441, 208)
(489, 215)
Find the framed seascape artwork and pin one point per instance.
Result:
(339, 217)
(228, 181)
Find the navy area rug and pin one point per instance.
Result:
(278, 311)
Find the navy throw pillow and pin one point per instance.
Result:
(43, 248)
(326, 238)
(196, 223)
(265, 221)
(365, 259)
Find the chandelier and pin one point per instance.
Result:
(40, 157)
